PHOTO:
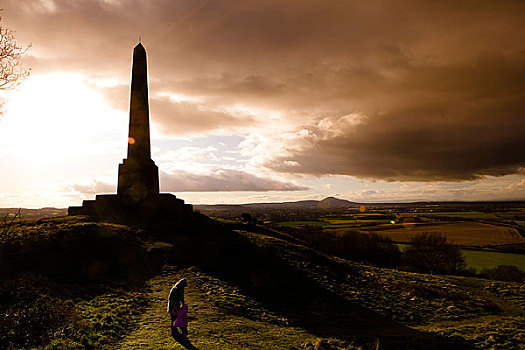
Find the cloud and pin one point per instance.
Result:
(189, 154)
(516, 186)
(440, 122)
(185, 117)
(214, 180)
(438, 85)
(222, 180)
(92, 187)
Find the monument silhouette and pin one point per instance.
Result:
(138, 199)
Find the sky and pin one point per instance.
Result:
(267, 101)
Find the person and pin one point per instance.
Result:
(175, 304)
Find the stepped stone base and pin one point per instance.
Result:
(163, 207)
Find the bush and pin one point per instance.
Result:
(504, 273)
(32, 319)
(431, 253)
(246, 217)
(371, 248)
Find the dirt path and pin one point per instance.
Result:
(210, 327)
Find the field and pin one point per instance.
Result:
(465, 228)
(464, 233)
(483, 228)
(471, 234)
(483, 259)
(480, 259)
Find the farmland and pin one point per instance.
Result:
(490, 233)
(472, 234)
(480, 259)
(468, 229)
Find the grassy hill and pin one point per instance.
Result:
(70, 283)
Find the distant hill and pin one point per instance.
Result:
(336, 203)
(32, 213)
(325, 204)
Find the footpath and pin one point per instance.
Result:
(219, 318)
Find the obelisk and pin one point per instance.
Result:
(138, 175)
(137, 200)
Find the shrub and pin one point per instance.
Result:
(431, 253)
(32, 319)
(246, 217)
(353, 245)
(504, 273)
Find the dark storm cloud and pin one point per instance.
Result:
(439, 83)
(181, 117)
(467, 123)
(222, 180)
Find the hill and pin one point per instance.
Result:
(254, 208)
(99, 285)
(32, 214)
(335, 203)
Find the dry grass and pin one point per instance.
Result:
(462, 233)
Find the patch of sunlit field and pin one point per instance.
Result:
(463, 233)
(300, 224)
(339, 221)
(473, 215)
(521, 223)
(482, 259)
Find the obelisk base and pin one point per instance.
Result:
(162, 207)
(137, 180)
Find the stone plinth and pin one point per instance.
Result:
(137, 180)
(163, 207)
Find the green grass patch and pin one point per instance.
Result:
(520, 222)
(299, 224)
(473, 215)
(105, 319)
(480, 259)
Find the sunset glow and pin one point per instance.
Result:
(56, 117)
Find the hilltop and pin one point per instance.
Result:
(250, 288)
(297, 206)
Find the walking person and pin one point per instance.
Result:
(178, 311)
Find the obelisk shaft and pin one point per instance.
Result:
(138, 176)
(139, 136)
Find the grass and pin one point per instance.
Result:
(308, 299)
(475, 215)
(419, 300)
(520, 222)
(480, 259)
(300, 224)
(220, 317)
(106, 318)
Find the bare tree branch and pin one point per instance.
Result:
(11, 71)
(7, 223)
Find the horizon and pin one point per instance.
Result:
(270, 102)
(318, 200)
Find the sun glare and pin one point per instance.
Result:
(56, 117)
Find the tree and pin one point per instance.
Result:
(11, 71)
(431, 253)
(245, 217)
(504, 273)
